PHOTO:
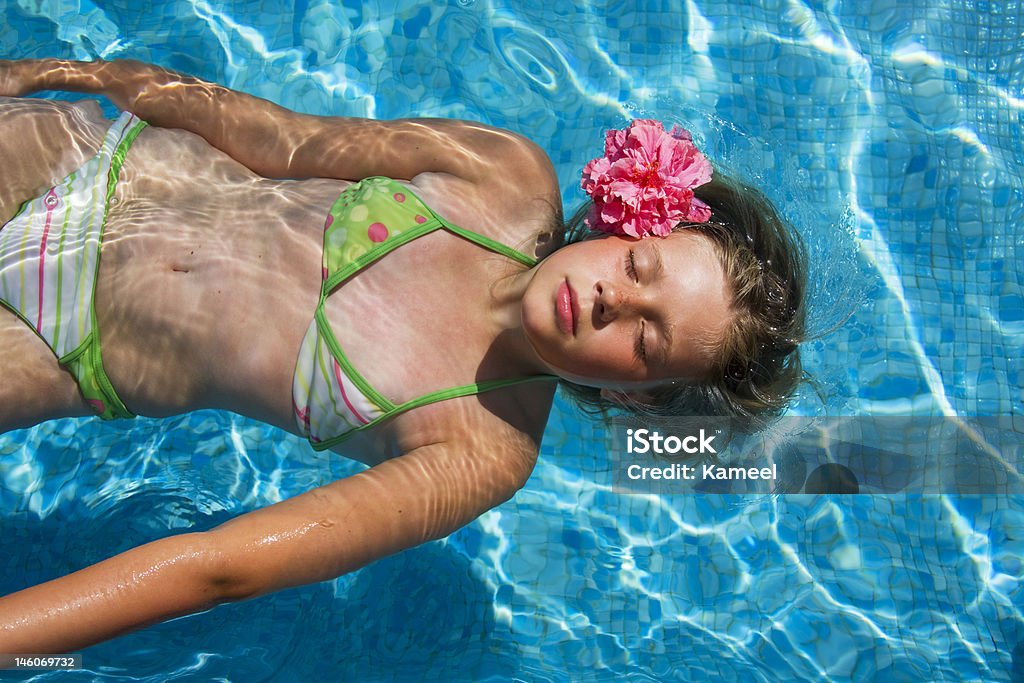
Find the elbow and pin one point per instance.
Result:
(509, 489)
(517, 467)
(502, 491)
(447, 519)
(224, 578)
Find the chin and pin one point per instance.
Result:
(570, 376)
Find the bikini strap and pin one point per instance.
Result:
(493, 245)
(427, 399)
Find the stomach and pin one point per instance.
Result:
(209, 276)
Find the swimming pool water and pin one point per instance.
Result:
(889, 132)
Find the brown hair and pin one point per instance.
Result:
(755, 365)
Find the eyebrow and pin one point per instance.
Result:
(658, 271)
(659, 265)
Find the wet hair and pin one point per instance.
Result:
(754, 366)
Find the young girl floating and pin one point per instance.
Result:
(404, 292)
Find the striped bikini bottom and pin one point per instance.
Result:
(49, 265)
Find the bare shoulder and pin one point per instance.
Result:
(526, 169)
(512, 194)
(487, 152)
(525, 186)
(499, 432)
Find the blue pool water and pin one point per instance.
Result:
(890, 134)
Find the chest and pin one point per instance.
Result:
(417, 320)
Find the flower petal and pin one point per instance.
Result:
(644, 183)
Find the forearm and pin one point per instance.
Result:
(250, 129)
(276, 142)
(152, 583)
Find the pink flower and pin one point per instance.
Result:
(643, 185)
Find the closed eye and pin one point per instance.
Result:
(640, 348)
(631, 267)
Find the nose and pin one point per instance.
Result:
(612, 301)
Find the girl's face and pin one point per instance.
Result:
(622, 313)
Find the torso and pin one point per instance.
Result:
(210, 275)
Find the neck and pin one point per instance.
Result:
(506, 320)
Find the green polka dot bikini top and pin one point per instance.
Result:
(331, 400)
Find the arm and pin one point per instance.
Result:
(143, 586)
(279, 143)
(423, 495)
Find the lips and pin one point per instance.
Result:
(566, 309)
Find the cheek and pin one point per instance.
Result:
(537, 320)
(607, 356)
